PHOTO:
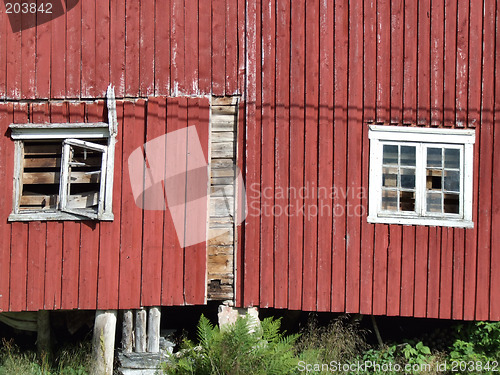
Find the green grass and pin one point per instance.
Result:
(322, 350)
(269, 351)
(74, 360)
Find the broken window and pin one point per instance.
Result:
(64, 171)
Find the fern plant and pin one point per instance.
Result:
(236, 350)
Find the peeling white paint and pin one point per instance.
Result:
(16, 93)
(194, 87)
(175, 89)
(122, 82)
(196, 93)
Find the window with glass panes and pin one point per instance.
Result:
(421, 176)
(442, 180)
(398, 178)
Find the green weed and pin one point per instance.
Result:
(236, 350)
(73, 360)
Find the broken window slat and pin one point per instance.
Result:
(82, 212)
(85, 144)
(36, 178)
(44, 162)
(92, 173)
(40, 200)
(38, 149)
(84, 200)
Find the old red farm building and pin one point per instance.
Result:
(366, 136)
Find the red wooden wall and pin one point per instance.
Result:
(316, 75)
(134, 261)
(144, 48)
(311, 77)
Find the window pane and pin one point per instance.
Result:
(389, 200)
(452, 180)
(451, 203)
(408, 178)
(40, 175)
(433, 181)
(434, 202)
(451, 158)
(407, 201)
(434, 157)
(390, 154)
(408, 155)
(390, 177)
(84, 178)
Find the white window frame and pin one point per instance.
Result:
(65, 180)
(422, 138)
(71, 134)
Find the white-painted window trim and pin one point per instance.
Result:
(421, 138)
(71, 134)
(64, 186)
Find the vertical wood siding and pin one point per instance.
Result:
(334, 67)
(311, 76)
(134, 261)
(152, 47)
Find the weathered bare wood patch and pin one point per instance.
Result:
(223, 150)
(223, 110)
(224, 100)
(219, 137)
(222, 180)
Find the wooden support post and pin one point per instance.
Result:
(140, 331)
(103, 342)
(127, 331)
(154, 319)
(43, 343)
(377, 332)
